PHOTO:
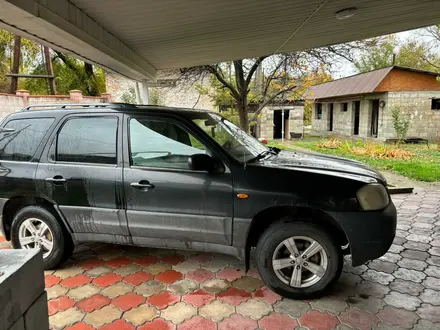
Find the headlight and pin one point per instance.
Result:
(373, 196)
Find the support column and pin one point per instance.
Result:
(145, 93)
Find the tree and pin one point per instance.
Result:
(417, 54)
(259, 81)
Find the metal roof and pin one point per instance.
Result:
(362, 83)
(138, 37)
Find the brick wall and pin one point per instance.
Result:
(10, 103)
(402, 80)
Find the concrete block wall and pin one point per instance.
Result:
(424, 121)
(23, 303)
(296, 119)
(320, 126)
(10, 103)
(266, 124)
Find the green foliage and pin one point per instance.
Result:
(401, 122)
(129, 96)
(155, 97)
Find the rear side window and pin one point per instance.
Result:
(20, 138)
(88, 140)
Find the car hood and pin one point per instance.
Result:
(324, 164)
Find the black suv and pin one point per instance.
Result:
(186, 179)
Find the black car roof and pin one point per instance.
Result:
(44, 110)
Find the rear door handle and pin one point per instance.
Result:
(142, 185)
(57, 179)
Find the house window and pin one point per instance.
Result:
(344, 107)
(435, 104)
(318, 111)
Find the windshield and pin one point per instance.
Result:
(233, 139)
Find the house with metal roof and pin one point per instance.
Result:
(361, 105)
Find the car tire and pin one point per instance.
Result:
(36, 227)
(288, 280)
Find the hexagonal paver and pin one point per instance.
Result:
(401, 300)
(186, 266)
(371, 289)
(51, 280)
(357, 319)
(90, 263)
(425, 325)
(145, 261)
(416, 246)
(200, 275)
(60, 304)
(183, 287)
(429, 312)
(179, 312)
(365, 303)
(234, 296)
(230, 274)
(169, 276)
(216, 310)
(68, 272)
(277, 321)
(266, 294)
(150, 288)
(157, 268)
(248, 283)
(118, 325)
(198, 298)
(319, 321)
(409, 275)
(56, 291)
(163, 299)
(157, 324)
(237, 321)
(431, 297)
(408, 287)
(117, 289)
(432, 283)
(80, 326)
(140, 315)
(198, 323)
(433, 271)
(95, 302)
(254, 308)
(328, 304)
(415, 254)
(172, 260)
(65, 318)
(128, 269)
(119, 262)
(138, 278)
(82, 292)
(215, 285)
(382, 266)
(102, 316)
(98, 271)
(412, 264)
(294, 308)
(378, 277)
(128, 301)
(398, 317)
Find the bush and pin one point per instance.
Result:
(401, 123)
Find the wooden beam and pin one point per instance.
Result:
(23, 75)
(16, 64)
(49, 68)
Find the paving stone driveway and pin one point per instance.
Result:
(117, 287)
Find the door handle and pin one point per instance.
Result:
(142, 185)
(57, 179)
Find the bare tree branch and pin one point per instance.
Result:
(254, 68)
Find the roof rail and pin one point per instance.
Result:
(79, 105)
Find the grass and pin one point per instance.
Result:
(424, 164)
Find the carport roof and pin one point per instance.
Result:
(138, 37)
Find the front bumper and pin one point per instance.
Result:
(370, 234)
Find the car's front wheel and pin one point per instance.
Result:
(298, 260)
(34, 227)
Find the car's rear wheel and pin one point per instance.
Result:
(298, 260)
(35, 227)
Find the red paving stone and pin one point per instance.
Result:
(169, 276)
(198, 298)
(201, 258)
(76, 281)
(98, 301)
(118, 325)
(138, 278)
(197, 323)
(200, 275)
(51, 280)
(173, 260)
(238, 322)
(119, 262)
(107, 280)
(90, 263)
(128, 301)
(231, 274)
(163, 299)
(60, 304)
(80, 326)
(145, 261)
(358, 319)
(277, 321)
(234, 296)
(266, 294)
(2, 239)
(157, 324)
(316, 320)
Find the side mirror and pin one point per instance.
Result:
(203, 162)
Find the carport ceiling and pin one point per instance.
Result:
(180, 33)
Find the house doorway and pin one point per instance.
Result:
(374, 118)
(356, 116)
(330, 117)
(278, 124)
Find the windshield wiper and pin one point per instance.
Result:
(263, 154)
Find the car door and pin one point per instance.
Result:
(167, 203)
(81, 173)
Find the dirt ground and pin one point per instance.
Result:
(397, 180)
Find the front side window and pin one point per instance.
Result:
(20, 138)
(163, 144)
(318, 111)
(88, 140)
(233, 139)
